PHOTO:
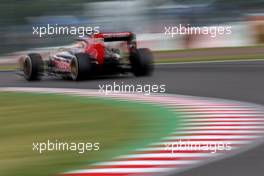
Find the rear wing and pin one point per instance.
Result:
(116, 36)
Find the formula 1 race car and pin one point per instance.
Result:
(97, 54)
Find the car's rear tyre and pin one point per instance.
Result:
(141, 62)
(33, 67)
(80, 66)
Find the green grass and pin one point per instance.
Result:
(119, 126)
(216, 58)
(211, 48)
(8, 67)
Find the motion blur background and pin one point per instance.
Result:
(146, 18)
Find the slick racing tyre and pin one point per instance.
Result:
(80, 66)
(33, 67)
(141, 62)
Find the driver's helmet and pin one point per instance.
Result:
(96, 38)
(81, 42)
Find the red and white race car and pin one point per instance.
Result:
(103, 53)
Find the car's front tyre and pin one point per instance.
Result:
(80, 66)
(33, 67)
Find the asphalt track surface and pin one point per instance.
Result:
(241, 81)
